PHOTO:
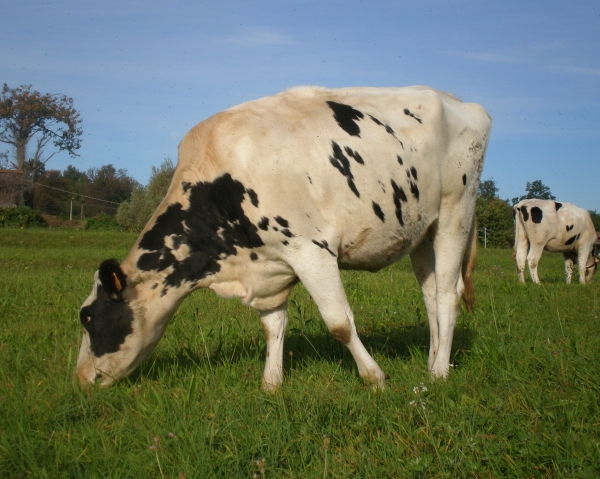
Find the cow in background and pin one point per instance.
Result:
(557, 227)
(292, 188)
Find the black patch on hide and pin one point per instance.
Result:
(341, 162)
(213, 227)
(399, 196)
(253, 197)
(263, 224)
(407, 112)
(283, 222)
(346, 117)
(324, 245)
(378, 211)
(536, 214)
(354, 154)
(388, 130)
(572, 239)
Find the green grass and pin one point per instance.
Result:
(521, 401)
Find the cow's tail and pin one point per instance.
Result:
(468, 267)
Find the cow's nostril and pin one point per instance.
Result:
(98, 376)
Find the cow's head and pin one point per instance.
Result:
(123, 321)
(592, 263)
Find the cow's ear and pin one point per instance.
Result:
(112, 278)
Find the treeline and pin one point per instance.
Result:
(104, 196)
(114, 199)
(76, 193)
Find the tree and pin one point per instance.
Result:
(47, 198)
(73, 175)
(99, 191)
(495, 215)
(4, 163)
(27, 115)
(136, 212)
(108, 184)
(487, 189)
(535, 190)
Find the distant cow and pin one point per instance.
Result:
(293, 187)
(558, 228)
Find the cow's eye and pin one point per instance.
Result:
(86, 319)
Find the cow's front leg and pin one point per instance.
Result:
(568, 268)
(274, 323)
(318, 271)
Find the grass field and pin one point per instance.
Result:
(522, 400)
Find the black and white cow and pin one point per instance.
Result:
(558, 227)
(292, 188)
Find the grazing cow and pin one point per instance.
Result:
(292, 188)
(558, 228)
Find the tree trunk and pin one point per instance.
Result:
(21, 148)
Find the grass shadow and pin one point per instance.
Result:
(303, 348)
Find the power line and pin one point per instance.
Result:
(76, 194)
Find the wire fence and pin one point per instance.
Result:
(79, 205)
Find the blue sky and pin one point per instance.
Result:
(142, 73)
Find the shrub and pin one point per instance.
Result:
(135, 213)
(21, 218)
(495, 215)
(102, 222)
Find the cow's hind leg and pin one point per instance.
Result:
(318, 271)
(274, 323)
(423, 263)
(533, 259)
(449, 246)
(521, 247)
(583, 254)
